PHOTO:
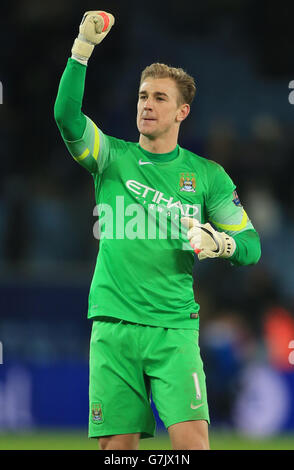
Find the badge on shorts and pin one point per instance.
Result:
(96, 413)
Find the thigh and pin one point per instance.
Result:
(118, 391)
(177, 378)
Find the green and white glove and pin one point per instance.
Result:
(207, 242)
(94, 26)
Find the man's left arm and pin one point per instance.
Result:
(248, 249)
(230, 218)
(228, 231)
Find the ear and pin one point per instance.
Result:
(182, 112)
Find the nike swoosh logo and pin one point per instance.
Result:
(145, 163)
(197, 406)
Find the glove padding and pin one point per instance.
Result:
(207, 242)
(90, 34)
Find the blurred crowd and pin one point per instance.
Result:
(241, 118)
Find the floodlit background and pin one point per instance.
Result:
(240, 53)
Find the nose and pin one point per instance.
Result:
(148, 104)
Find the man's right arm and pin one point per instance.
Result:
(68, 105)
(81, 136)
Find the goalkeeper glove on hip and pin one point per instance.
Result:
(94, 26)
(207, 242)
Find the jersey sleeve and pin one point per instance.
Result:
(95, 151)
(87, 144)
(223, 207)
(225, 211)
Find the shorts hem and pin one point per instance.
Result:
(190, 418)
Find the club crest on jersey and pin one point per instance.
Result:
(236, 199)
(96, 413)
(187, 182)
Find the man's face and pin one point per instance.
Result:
(157, 109)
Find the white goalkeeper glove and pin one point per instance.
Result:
(207, 242)
(94, 26)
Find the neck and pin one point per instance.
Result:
(158, 145)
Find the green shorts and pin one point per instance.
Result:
(129, 361)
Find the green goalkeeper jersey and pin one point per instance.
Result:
(143, 272)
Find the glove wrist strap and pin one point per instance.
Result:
(229, 246)
(82, 50)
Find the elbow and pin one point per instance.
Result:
(70, 124)
(257, 254)
(254, 260)
(63, 123)
(248, 250)
(58, 115)
(254, 255)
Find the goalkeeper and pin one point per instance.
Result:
(145, 319)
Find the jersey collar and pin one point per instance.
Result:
(161, 157)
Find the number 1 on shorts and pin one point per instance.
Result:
(197, 386)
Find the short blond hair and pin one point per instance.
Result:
(185, 83)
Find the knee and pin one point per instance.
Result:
(103, 443)
(117, 443)
(198, 445)
(110, 443)
(189, 435)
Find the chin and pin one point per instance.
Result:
(149, 135)
(147, 132)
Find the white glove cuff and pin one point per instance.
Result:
(229, 246)
(82, 50)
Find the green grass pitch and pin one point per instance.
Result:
(71, 440)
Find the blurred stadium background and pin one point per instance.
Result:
(239, 52)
